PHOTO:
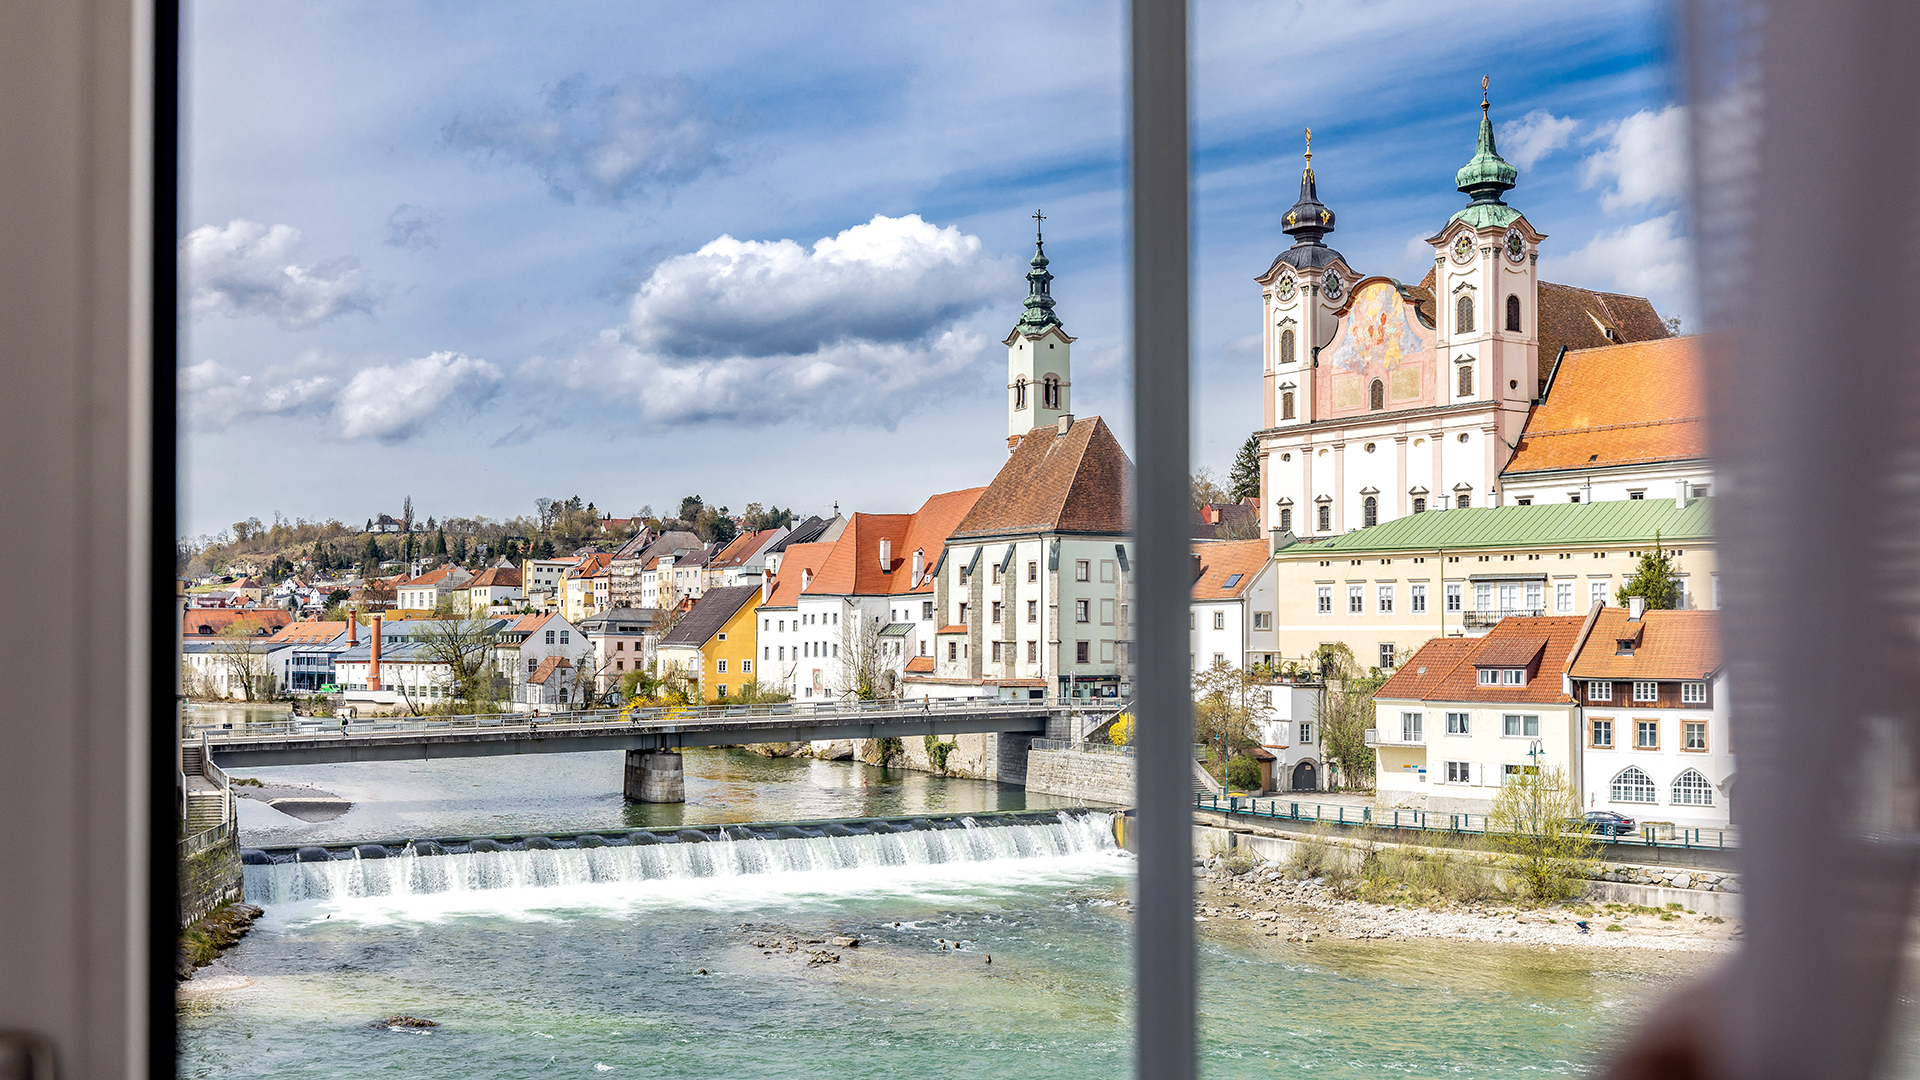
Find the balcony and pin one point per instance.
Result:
(1485, 620)
(1394, 737)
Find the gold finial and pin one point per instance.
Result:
(1309, 147)
(1484, 80)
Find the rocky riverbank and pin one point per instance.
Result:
(1266, 900)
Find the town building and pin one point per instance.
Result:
(1233, 605)
(788, 642)
(586, 587)
(424, 592)
(1039, 355)
(252, 622)
(1383, 399)
(813, 530)
(494, 587)
(713, 645)
(301, 655)
(623, 641)
(521, 645)
(540, 579)
(743, 560)
(1385, 591)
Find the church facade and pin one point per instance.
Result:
(1384, 399)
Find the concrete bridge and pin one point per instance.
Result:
(652, 738)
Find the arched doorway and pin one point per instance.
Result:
(1306, 777)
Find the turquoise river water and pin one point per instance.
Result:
(558, 963)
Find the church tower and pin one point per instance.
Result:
(1039, 354)
(1486, 295)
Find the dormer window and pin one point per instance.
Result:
(1503, 676)
(1623, 647)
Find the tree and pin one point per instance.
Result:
(465, 647)
(1536, 820)
(868, 669)
(370, 557)
(406, 514)
(1244, 479)
(241, 653)
(714, 526)
(1345, 713)
(1653, 579)
(690, 507)
(440, 544)
(1228, 706)
(1206, 489)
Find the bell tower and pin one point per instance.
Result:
(1039, 354)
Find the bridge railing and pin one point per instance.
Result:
(623, 718)
(1381, 817)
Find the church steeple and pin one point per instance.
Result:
(1039, 353)
(1308, 221)
(1038, 312)
(1486, 176)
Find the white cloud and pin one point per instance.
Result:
(246, 268)
(1535, 135)
(214, 396)
(1653, 259)
(395, 402)
(859, 327)
(1644, 159)
(609, 141)
(412, 227)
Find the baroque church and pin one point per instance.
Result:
(1384, 399)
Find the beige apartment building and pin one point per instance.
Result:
(1385, 591)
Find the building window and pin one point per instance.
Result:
(1082, 570)
(721, 689)
(549, 637)
(1694, 734)
(995, 613)
(926, 610)
(953, 650)
(1326, 517)
(1634, 496)
(1079, 652)
(1286, 404)
(1033, 611)
(1693, 693)
(1033, 570)
(1386, 654)
(1033, 652)
(1453, 598)
(1356, 599)
(1513, 314)
(1418, 599)
(1286, 350)
(1601, 734)
(746, 666)
(1385, 599)
(1370, 509)
(1526, 727)
(1020, 392)
(1323, 600)
(1306, 732)
(720, 666)
(1692, 789)
(1646, 691)
(1563, 597)
(1050, 392)
(563, 637)
(1463, 501)
(1646, 734)
(1458, 772)
(1263, 620)
(1482, 597)
(1219, 658)
(1465, 375)
(1219, 619)
(1286, 519)
(1597, 593)
(1419, 505)
(1599, 690)
(1081, 609)
(1463, 314)
(1377, 395)
(1633, 786)
(996, 651)
(993, 577)
(1459, 723)
(1410, 727)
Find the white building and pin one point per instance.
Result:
(424, 593)
(541, 578)
(1233, 605)
(523, 644)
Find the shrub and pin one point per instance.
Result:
(1536, 819)
(1616, 926)
(1121, 731)
(1426, 876)
(1243, 772)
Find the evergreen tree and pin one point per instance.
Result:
(1243, 480)
(544, 550)
(1653, 580)
(370, 556)
(460, 549)
(440, 544)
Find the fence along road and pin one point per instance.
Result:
(316, 740)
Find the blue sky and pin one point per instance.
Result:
(481, 253)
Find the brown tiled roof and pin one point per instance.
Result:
(956, 628)
(931, 525)
(1077, 482)
(206, 622)
(743, 547)
(920, 665)
(313, 630)
(710, 614)
(1673, 645)
(547, 667)
(1221, 560)
(496, 577)
(1580, 318)
(786, 584)
(593, 566)
(1622, 404)
(853, 568)
(1443, 669)
(1511, 652)
(438, 576)
(529, 623)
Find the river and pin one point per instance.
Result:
(597, 977)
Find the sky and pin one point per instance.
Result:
(480, 253)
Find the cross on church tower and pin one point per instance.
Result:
(1038, 217)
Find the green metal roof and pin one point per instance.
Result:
(1559, 524)
(1486, 215)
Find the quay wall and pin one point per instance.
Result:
(1092, 778)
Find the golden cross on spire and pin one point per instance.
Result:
(1309, 146)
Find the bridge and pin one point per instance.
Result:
(652, 737)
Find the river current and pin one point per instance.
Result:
(684, 974)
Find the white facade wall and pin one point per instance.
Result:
(1664, 765)
(1411, 771)
(1660, 480)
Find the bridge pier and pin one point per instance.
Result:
(655, 776)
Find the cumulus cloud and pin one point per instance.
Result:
(1653, 259)
(1643, 159)
(214, 396)
(411, 227)
(860, 326)
(607, 142)
(395, 402)
(1535, 135)
(246, 268)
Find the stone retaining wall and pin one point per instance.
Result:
(1080, 776)
(208, 879)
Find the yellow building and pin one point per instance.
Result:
(713, 645)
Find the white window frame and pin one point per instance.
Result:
(1324, 600)
(1599, 689)
(1563, 597)
(1520, 726)
(1454, 598)
(1417, 599)
(1384, 600)
(1693, 693)
(1356, 599)
(1411, 725)
(1646, 691)
(1459, 723)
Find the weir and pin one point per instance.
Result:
(279, 876)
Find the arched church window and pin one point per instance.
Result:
(1286, 347)
(1466, 381)
(1020, 392)
(1370, 511)
(1286, 519)
(1513, 314)
(1377, 395)
(1326, 517)
(1463, 314)
(1286, 405)
(1050, 392)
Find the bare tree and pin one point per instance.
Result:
(1536, 819)
(867, 668)
(465, 647)
(242, 656)
(1228, 705)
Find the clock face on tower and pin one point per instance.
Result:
(1516, 246)
(1463, 248)
(1285, 291)
(1332, 285)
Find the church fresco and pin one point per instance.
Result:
(1379, 339)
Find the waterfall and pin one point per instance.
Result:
(428, 867)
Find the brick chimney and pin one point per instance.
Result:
(353, 628)
(373, 665)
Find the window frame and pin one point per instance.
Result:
(1687, 729)
(1594, 724)
(1600, 690)
(1641, 726)
(1652, 691)
(1460, 723)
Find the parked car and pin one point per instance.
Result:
(1608, 823)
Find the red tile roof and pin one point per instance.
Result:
(593, 566)
(920, 665)
(1221, 560)
(308, 632)
(1077, 482)
(794, 566)
(927, 533)
(956, 628)
(1623, 404)
(1672, 645)
(547, 667)
(496, 577)
(1444, 668)
(854, 566)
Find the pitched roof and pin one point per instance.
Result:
(1673, 645)
(795, 565)
(593, 566)
(207, 622)
(445, 577)
(1621, 521)
(710, 614)
(496, 577)
(1444, 668)
(744, 547)
(1621, 404)
(920, 665)
(1077, 482)
(547, 667)
(807, 532)
(853, 568)
(306, 633)
(1580, 318)
(927, 533)
(1221, 560)
(530, 623)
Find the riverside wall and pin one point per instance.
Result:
(209, 878)
(1090, 778)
